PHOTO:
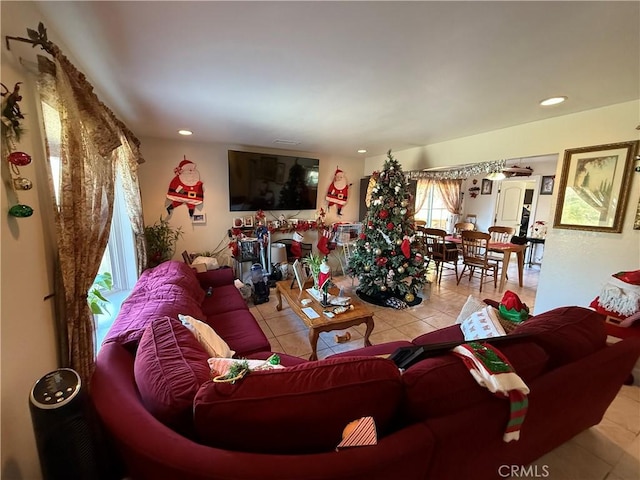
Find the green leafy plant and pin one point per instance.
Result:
(97, 301)
(313, 262)
(161, 241)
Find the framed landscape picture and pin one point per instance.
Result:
(594, 187)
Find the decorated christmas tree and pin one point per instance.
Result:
(386, 257)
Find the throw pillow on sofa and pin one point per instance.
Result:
(482, 324)
(299, 409)
(170, 366)
(472, 305)
(208, 338)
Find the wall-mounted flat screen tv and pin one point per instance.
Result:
(272, 182)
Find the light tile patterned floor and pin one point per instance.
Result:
(608, 451)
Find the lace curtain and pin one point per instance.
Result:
(422, 189)
(450, 191)
(91, 143)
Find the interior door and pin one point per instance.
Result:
(510, 203)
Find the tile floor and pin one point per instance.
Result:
(607, 451)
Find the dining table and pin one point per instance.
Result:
(505, 248)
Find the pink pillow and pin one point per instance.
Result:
(299, 409)
(169, 368)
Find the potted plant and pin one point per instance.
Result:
(97, 301)
(161, 241)
(313, 262)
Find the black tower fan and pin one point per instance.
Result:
(61, 422)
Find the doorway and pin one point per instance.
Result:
(516, 203)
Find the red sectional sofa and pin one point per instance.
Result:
(167, 420)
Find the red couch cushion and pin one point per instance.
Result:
(300, 409)
(166, 290)
(566, 333)
(225, 298)
(442, 385)
(170, 366)
(452, 333)
(240, 330)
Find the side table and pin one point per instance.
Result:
(534, 246)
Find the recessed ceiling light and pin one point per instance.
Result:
(362, 150)
(552, 101)
(185, 132)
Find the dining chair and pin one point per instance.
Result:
(475, 254)
(500, 234)
(461, 226)
(442, 253)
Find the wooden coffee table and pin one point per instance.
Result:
(360, 314)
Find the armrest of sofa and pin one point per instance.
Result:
(215, 278)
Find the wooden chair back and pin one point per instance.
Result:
(501, 234)
(462, 226)
(440, 251)
(475, 254)
(475, 248)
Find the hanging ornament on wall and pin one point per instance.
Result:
(11, 132)
(22, 183)
(21, 211)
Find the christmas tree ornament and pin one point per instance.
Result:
(367, 268)
(22, 183)
(404, 203)
(383, 214)
(393, 253)
(399, 241)
(21, 211)
(19, 159)
(390, 226)
(378, 252)
(383, 288)
(403, 211)
(400, 269)
(406, 246)
(409, 297)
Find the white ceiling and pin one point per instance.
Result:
(339, 76)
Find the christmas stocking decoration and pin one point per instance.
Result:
(323, 242)
(491, 369)
(296, 247)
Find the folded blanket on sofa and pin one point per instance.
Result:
(491, 369)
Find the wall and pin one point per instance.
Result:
(484, 206)
(26, 318)
(576, 264)
(162, 156)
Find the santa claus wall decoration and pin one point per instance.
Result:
(185, 187)
(338, 191)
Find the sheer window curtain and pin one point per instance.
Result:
(450, 191)
(422, 190)
(92, 143)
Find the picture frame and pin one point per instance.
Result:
(546, 186)
(487, 187)
(247, 222)
(594, 187)
(238, 222)
(301, 275)
(199, 218)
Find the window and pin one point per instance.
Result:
(433, 210)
